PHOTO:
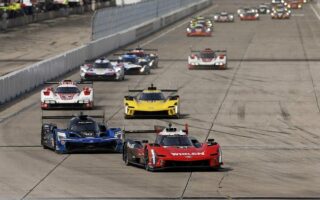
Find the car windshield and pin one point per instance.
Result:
(84, 126)
(207, 55)
(67, 90)
(173, 140)
(102, 65)
(131, 59)
(154, 96)
(223, 14)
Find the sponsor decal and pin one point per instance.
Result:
(188, 154)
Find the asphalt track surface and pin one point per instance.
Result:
(263, 110)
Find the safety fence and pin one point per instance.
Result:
(112, 20)
(26, 79)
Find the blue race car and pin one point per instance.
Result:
(82, 135)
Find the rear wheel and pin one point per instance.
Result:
(125, 156)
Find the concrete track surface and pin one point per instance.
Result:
(263, 110)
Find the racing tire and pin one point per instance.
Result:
(146, 161)
(125, 156)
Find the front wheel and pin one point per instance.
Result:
(125, 156)
(146, 161)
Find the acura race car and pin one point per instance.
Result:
(249, 14)
(198, 30)
(152, 103)
(208, 59)
(172, 148)
(83, 133)
(281, 14)
(103, 69)
(67, 94)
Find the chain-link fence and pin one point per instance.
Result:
(112, 20)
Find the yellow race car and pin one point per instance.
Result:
(152, 102)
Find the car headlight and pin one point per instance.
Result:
(257, 15)
(215, 17)
(151, 63)
(231, 16)
(188, 29)
(241, 15)
(154, 156)
(142, 69)
(208, 29)
(220, 155)
(61, 136)
(118, 134)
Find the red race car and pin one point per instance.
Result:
(198, 30)
(172, 149)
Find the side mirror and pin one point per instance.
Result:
(102, 128)
(176, 97)
(145, 141)
(211, 142)
(129, 98)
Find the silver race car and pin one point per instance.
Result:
(223, 17)
(103, 69)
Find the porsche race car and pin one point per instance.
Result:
(249, 14)
(223, 17)
(244, 10)
(294, 4)
(102, 69)
(198, 30)
(67, 94)
(172, 149)
(83, 134)
(208, 59)
(152, 102)
(280, 14)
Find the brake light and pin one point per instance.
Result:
(86, 91)
(221, 56)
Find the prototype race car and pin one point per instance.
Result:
(294, 4)
(280, 14)
(199, 30)
(264, 9)
(208, 59)
(280, 8)
(102, 69)
(152, 103)
(67, 95)
(172, 148)
(223, 17)
(133, 65)
(84, 133)
(146, 56)
(244, 10)
(249, 14)
(202, 20)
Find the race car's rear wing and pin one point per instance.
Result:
(81, 114)
(157, 129)
(141, 49)
(162, 90)
(215, 51)
(69, 81)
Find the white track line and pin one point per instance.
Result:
(172, 29)
(315, 11)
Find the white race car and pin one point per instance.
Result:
(208, 59)
(102, 69)
(67, 95)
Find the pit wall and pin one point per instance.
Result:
(22, 81)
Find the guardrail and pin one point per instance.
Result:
(26, 79)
